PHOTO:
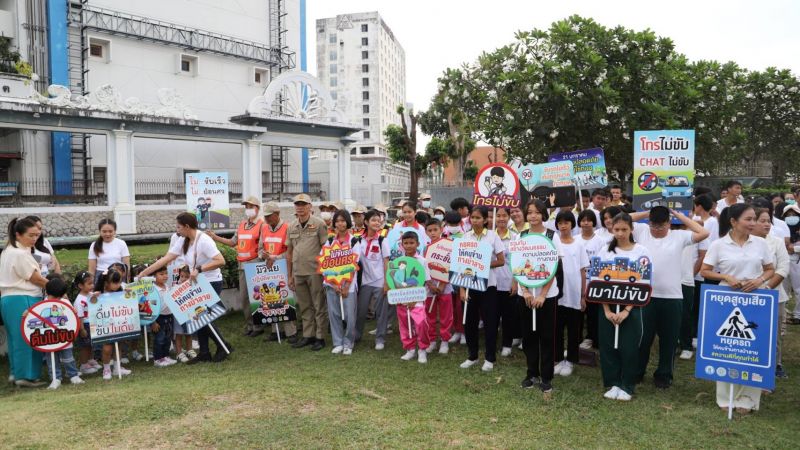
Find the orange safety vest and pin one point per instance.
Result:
(247, 241)
(275, 241)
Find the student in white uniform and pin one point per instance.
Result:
(592, 244)
(742, 261)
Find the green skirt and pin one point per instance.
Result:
(25, 362)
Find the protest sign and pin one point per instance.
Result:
(663, 170)
(271, 300)
(406, 279)
(194, 305)
(552, 183)
(437, 257)
(395, 243)
(469, 264)
(207, 198)
(589, 167)
(50, 325)
(533, 259)
(338, 263)
(113, 317)
(619, 281)
(496, 186)
(737, 336)
(145, 293)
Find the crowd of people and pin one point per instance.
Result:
(742, 243)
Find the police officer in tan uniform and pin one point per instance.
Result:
(306, 236)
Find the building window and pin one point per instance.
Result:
(365, 95)
(333, 82)
(99, 175)
(365, 109)
(353, 151)
(364, 41)
(332, 38)
(333, 68)
(332, 55)
(188, 64)
(364, 54)
(365, 82)
(366, 135)
(260, 76)
(100, 49)
(365, 68)
(364, 28)
(367, 150)
(365, 121)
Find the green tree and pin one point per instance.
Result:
(402, 147)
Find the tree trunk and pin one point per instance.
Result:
(410, 138)
(778, 171)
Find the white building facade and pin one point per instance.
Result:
(363, 65)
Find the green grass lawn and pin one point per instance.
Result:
(71, 257)
(269, 395)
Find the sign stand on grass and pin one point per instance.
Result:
(469, 267)
(114, 317)
(50, 326)
(437, 257)
(271, 299)
(405, 277)
(533, 260)
(195, 305)
(338, 264)
(145, 293)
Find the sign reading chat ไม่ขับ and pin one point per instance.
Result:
(663, 169)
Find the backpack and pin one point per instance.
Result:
(559, 270)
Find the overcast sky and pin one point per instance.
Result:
(437, 34)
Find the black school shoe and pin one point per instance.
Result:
(546, 387)
(779, 372)
(530, 383)
(318, 345)
(303, 342)
(661, 383)
(202, 357)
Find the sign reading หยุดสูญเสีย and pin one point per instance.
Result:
(737, 336)
(663, 170)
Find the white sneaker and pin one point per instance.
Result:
(76, 380)
(487, 366)
(506, 351)
(159, 363)
(347, 351)
(124, 360)
(11, 379)
(87, 369)
(338, 349)
(170, 360)
(516, 342)
(373, 332)
(432, 347)
(468, 363)
(623, 396)
(107, 374)
(122, 370)
(480, 324)
(586, 344)
(136, 355)
(612, 393)
(686, 354)
(566, 369)
(463, 340)
(422, 356)
(558, 367)
(379, 346)
(195, 346)
(182, 357)
(409, 355)
(454, 338)
(54, 385)
(191, 354)
(94, 364)
(444, 348)
(694, 343)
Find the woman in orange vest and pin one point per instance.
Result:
(274, 248)
(246, 240)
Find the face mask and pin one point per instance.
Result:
(792, 221)
(438, 216)
(790, 202)
(250, 213)
(426, 203)
(326, 216)
(453, 229)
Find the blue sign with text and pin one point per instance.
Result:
(737, 336)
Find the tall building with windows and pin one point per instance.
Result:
(363, 64)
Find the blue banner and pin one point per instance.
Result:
(737, 336)
(589, 166)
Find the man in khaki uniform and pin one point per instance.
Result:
(306, 236)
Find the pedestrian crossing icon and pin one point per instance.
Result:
(736, 326)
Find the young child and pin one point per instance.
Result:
(110, 281)
(343, 338)
(440, 301)
(163, 326)
(509, 308)
(56, 289)
(453, 229)
(569, 313)
(84, 282)
(370, 292)
(419, 338)
(183, 340)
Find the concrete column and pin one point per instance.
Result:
(120, 180)
(251, 169)
(343, 160)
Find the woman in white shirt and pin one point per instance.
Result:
(202, 255)
(21, 285)
(107, 250)
(483, 303)
(742, 261)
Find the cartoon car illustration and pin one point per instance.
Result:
(537, 275)
(199, 311)
(610, 273)
(437, 267)
(675, 186)
(55, 315)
